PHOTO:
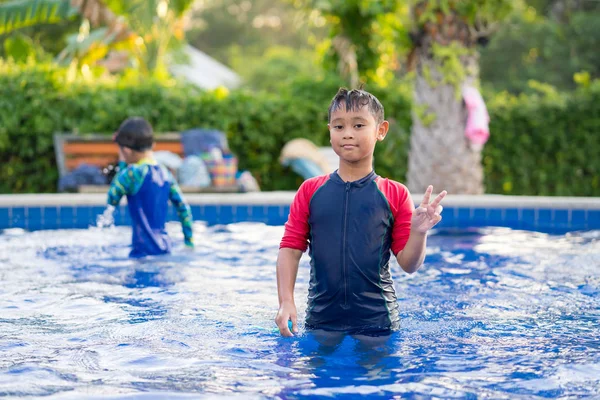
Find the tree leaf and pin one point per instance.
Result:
(19, 14)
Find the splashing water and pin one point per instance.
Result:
(106, 219)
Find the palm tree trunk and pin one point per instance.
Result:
(440, 154)
(348, 64)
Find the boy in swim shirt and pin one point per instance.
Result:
(148, 187)
(350, 220)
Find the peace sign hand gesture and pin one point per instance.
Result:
(427, 215)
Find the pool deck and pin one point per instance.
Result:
(72, 210)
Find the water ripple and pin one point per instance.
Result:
(494, 313)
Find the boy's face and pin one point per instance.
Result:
(354, 133)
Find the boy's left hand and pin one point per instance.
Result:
(427, 215)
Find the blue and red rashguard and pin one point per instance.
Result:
(149, 187)
(350, 228)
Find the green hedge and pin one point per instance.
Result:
(34, 103)
(545, 146)
(537, 145)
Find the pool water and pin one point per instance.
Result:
(493, 313)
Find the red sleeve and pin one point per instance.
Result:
(297, 230)
(402, 207)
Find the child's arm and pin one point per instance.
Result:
(287, 270)
(425, 217)
(183, 212)
(411, 258)
(121, 185)
(293, 244)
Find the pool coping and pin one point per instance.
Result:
(286, 197)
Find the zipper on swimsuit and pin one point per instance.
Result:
(344, 266)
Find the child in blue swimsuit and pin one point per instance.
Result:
(352, 221)
(148, 187)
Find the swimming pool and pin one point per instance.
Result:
(495, 312)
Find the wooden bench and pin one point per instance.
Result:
(99, 150)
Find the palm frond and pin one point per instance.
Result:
(19, 14)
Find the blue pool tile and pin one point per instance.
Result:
(258, 214)
(464, 215)
(544, 218)
(211, 214)
(528, 218)
(448, 218)
(448, 214)
(83, 217)
(98, 210)
(4, 218)
(512, 218)
(242, 213)
(283, 214)
(50, 217)
(495, 216)
(18, 218)
(227, 214)
(274, 215)
(451, 216)
(444, 223)
(95, 211)
(511, 215)
(479, 213)
(578, 219)
(197, 213)
(593, 219)
(35, 218)
(561, 218)
(478, 217)
(544, 214)
(66, 216)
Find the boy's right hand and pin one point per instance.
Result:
(287, 311)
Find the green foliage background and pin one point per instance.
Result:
(544, 145)
(530, 47)
(541, 144)
(34, 104)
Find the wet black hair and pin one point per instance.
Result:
(135, 133)
(356, 99)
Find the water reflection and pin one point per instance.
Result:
(494, 313)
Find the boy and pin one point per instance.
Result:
(148, 187)
(350, 220)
